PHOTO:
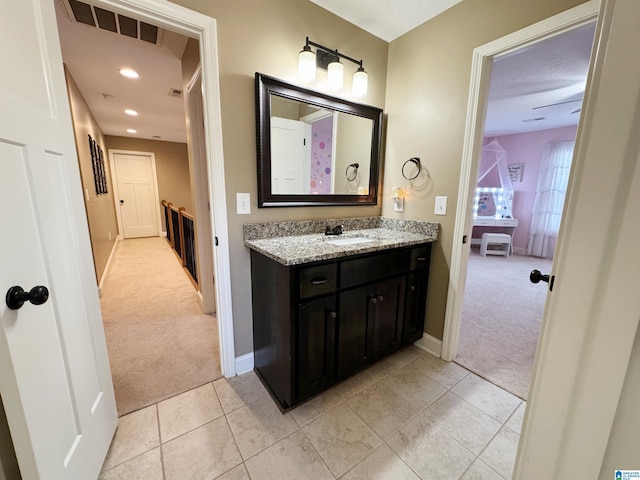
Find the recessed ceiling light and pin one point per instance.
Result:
(131, 130)
(127, 72)
(133, 113)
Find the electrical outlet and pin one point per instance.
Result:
(441, 206)
(243, 203)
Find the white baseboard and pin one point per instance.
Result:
(430, 344)
(163, 234)
(520, 251)
(244, 363)
(108, 265)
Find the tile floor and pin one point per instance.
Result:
(410, 416)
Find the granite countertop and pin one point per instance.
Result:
(294, 243)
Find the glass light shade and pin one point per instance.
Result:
(307, 65)
(359, 84)
(335, 77)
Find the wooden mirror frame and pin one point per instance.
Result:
(265, 86)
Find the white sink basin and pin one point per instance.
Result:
(349, 240)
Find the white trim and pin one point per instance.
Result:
(474, 130)
(429, 344)
(107, 267)
(116, 192)
(520, 251)
(244, 363)
(203, 28)
(163, 234)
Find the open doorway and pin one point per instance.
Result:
(493, 311)
(157, 349)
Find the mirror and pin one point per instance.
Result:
(314, 149)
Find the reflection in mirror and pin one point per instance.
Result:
(314, 149)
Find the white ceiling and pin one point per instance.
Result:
(541, 86)
(94, 58)
(547, 73)
(387, 19)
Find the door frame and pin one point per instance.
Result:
(199, 185)
(204, 29)
(116, 192)
(474, 133)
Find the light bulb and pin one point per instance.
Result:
(307, 65)
(359, 84)
(335, 78)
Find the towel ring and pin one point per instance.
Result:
(417, 163)
(354, 174)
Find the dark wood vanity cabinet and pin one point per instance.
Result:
(318, 323)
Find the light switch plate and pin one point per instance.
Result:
(243, 203)
(441, 206)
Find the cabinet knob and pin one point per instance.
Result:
(380, 298)
(373, 300)
(333, 314)
(412, 288)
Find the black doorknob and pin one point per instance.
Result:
(16, 296)
(121, 202)
(536, 276)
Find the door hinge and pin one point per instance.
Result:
(551, 280)
(216, 240)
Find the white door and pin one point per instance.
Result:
(136, 194)
(54, 370)
(290, 156)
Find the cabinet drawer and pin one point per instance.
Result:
(479, 223)
(317, 280)
(420, 257)
(507, 223)
(360, 271)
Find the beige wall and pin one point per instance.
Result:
(426, 105)
(266, 36)
(101, 214)
(353, 143)
(172, 167)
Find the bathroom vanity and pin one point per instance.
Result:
(325, 307)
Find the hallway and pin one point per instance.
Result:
(160, 343)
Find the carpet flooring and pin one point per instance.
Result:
(160, 343)
(501, 316)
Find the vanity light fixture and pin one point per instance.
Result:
(131, 112)
(131, 130)
(329, 59)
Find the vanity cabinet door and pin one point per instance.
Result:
(316, 346)
(415, 303)
(387, 316)
(354, 334)
(370, 324)
(415, 306)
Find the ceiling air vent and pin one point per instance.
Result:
(175, 92)
(106, 20)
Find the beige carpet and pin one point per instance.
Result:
(160, 343)
(501, 316)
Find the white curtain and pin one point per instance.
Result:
(553, 178)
